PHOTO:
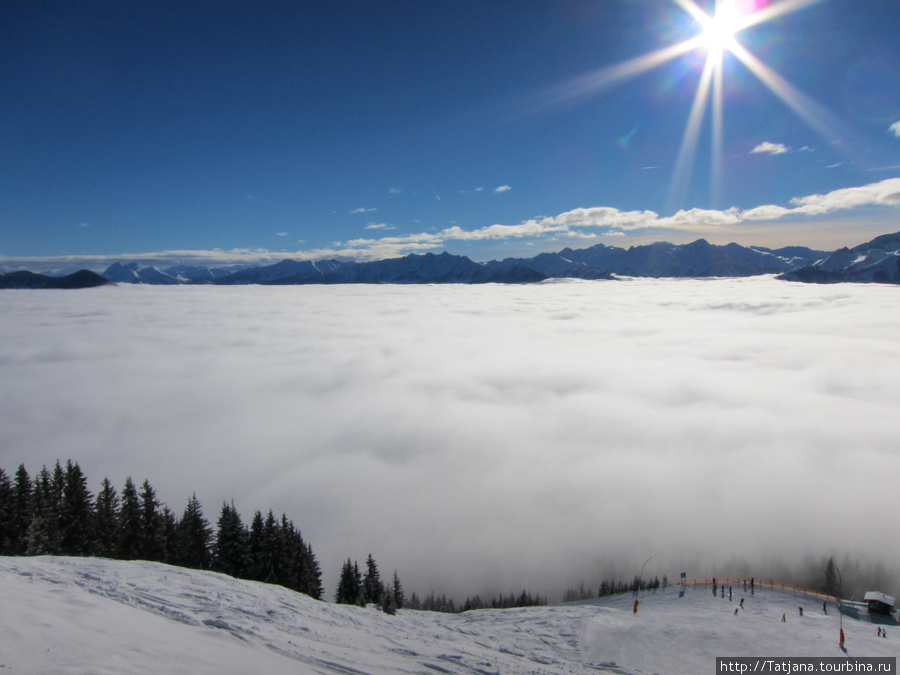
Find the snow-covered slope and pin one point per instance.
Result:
(76, 615)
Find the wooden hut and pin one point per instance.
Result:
(879, 603)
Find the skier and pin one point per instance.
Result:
(742, 603)
(729, 593)
(784, 618)
(825, 607)
(801, 611)
(735, 611)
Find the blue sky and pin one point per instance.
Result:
(241, 131)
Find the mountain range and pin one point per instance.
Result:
(877, 261)
(698, 259)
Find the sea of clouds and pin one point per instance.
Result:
(482, 439)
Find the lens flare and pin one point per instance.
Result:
(718, 34)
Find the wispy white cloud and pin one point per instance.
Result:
(466, 192)
(281, 234)
(768, 148)
(579, 222)
(394, 191)
(768, 212)
(895, 129)
(885, 193)
(364, 210)
(502, 188)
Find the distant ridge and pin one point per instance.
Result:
(79, 279)
(662, 259)
(877, 261)
(698, 259)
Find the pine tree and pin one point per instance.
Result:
(372, 586)
(76, 517)
(169, 533)
(397, 591)
(270, 558)
(106, 521)
(290, 547)
(6, 509)
(153, 536)
(131, 528)
(388, 602)
(312, 581)
(361, 594)
(43, 537)
(349, 589)
(830, 584)
(57, 488)
(193, 537)
(256, 570)
(21, 511)
(231, 553)
(304, 574)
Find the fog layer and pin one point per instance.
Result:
(482, 438)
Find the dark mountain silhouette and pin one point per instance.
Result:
(79, 279)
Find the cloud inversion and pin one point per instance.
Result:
(481, 438)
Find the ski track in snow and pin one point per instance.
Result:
(83, 615)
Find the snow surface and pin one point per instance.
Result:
(84, 615)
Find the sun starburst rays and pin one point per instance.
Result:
(718, 34)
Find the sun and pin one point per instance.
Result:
(717, 34)
(719, 30)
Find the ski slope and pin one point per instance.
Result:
(84, 615)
